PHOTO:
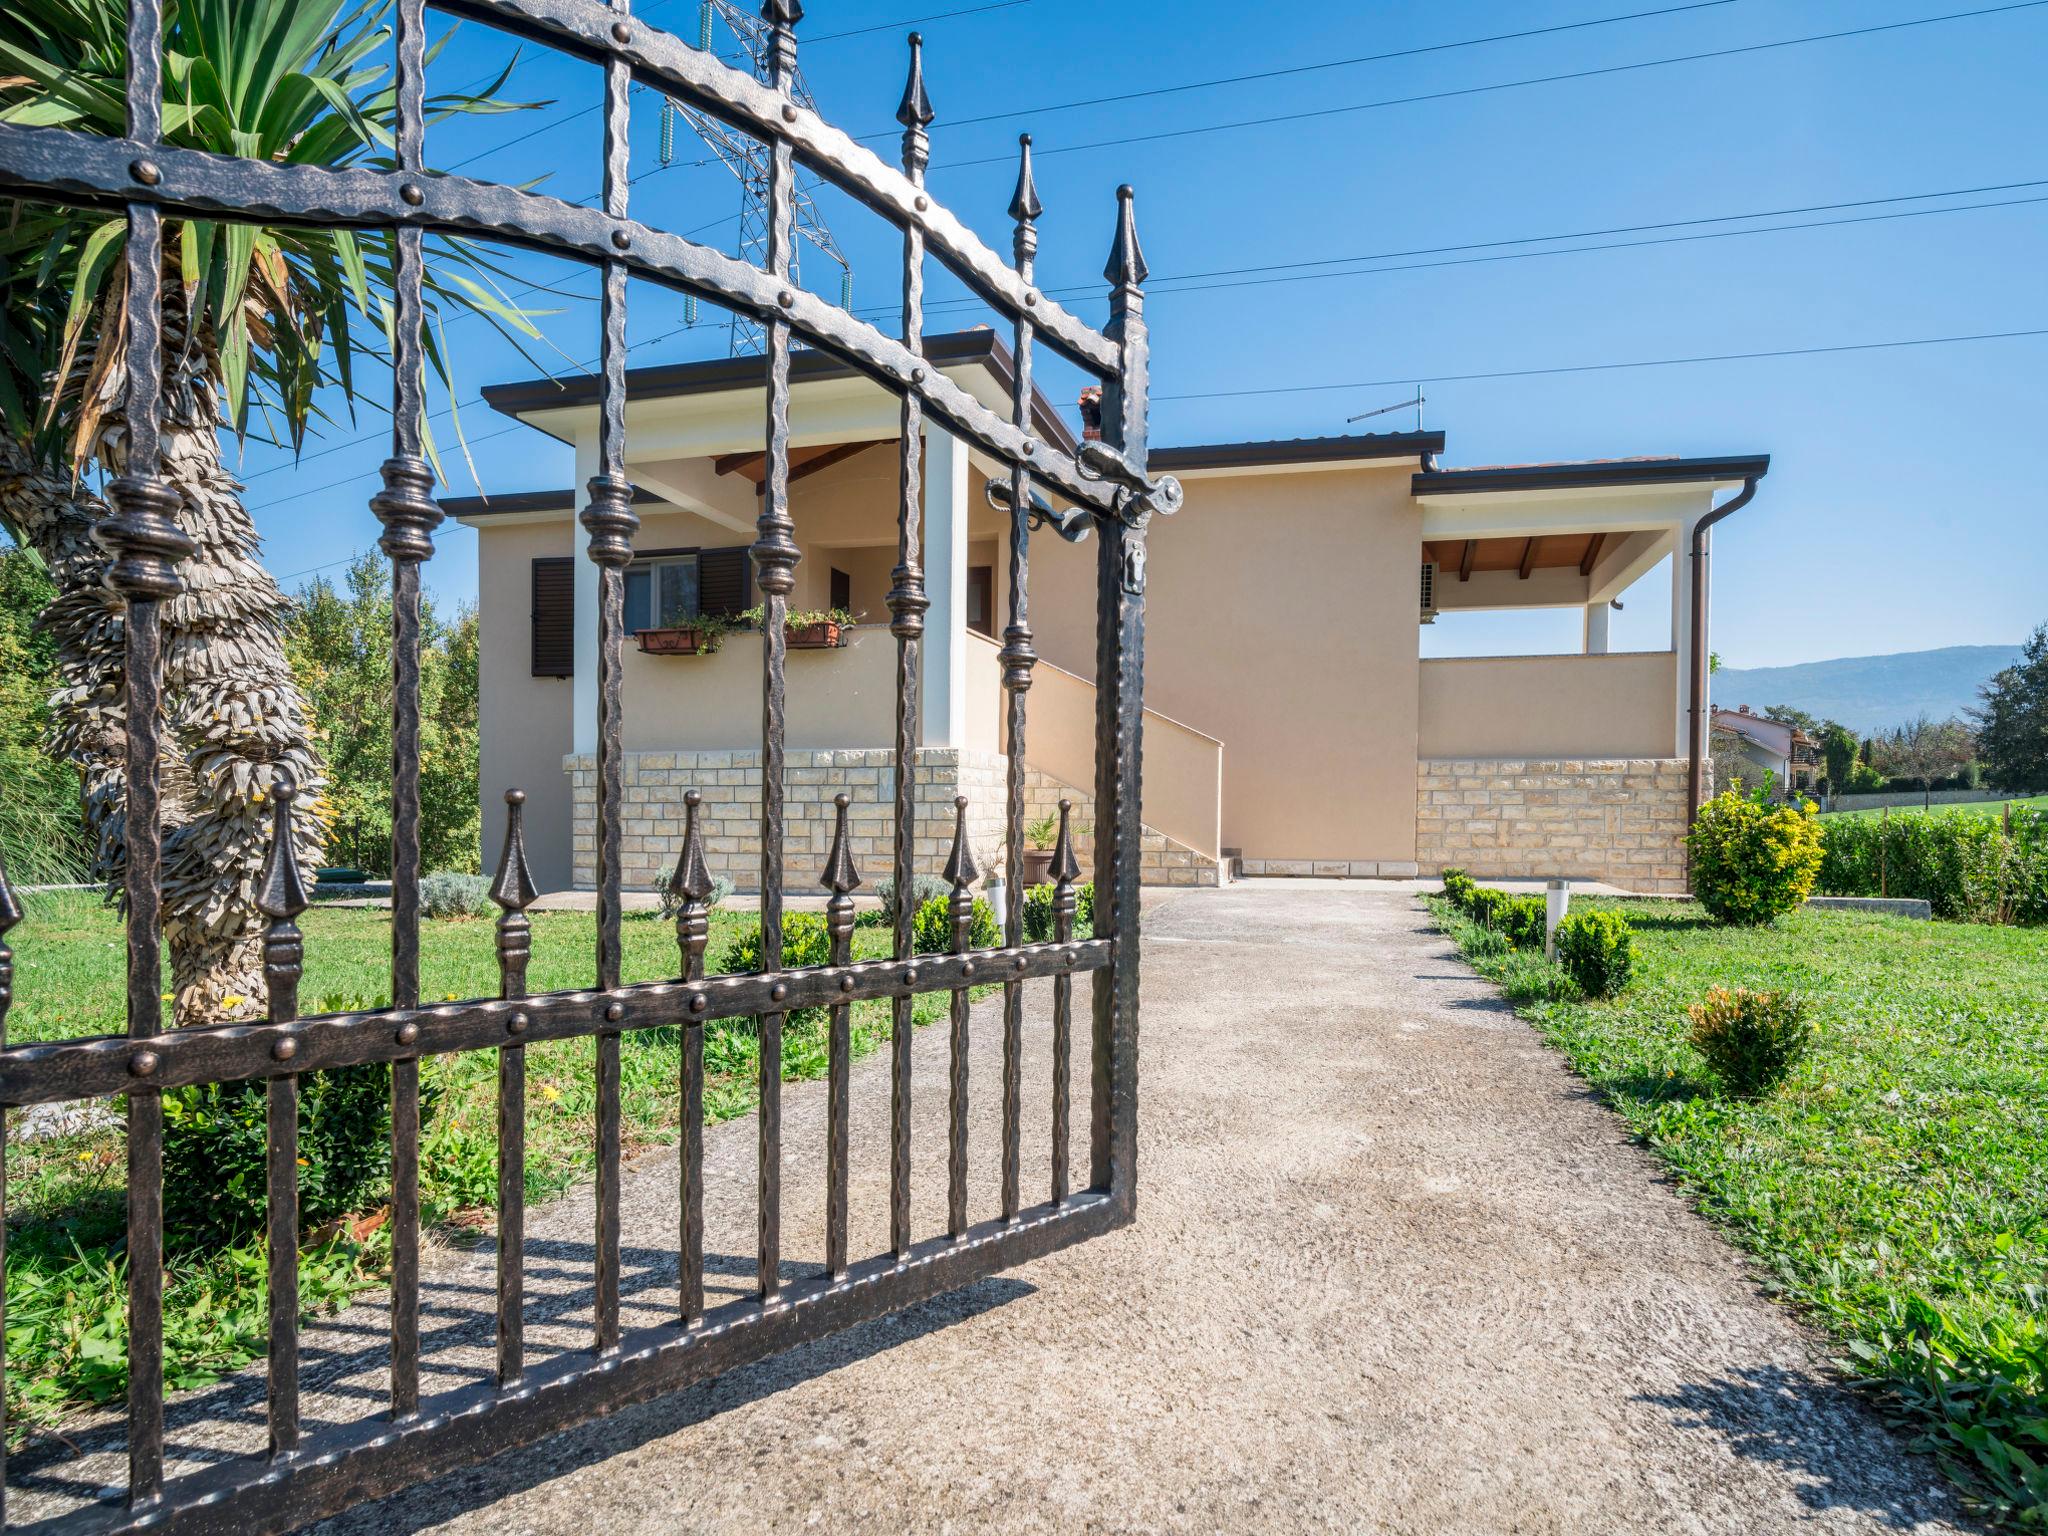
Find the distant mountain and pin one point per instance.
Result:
(1868, 693)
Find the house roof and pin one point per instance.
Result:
(506, 503)
(1294, 451)
(1588, 474)
(950, 349)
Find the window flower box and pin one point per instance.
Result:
(824, 635)
(679, 640)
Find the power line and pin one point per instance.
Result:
(1481, 90)
(1328, 64)
(1160, 290)
(1409, 379)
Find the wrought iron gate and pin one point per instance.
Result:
(303, 1478)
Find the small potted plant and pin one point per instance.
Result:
(702, 636)
(1040, 837)
(820, 629)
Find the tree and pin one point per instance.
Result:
(254, 318)
(1787, 714)
(1925, 750)
(1838, 748)
(339, 642)
(2012, 720)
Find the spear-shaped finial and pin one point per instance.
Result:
(10, 914)
(691, 884)
(512, 889)
(840, 876)
(1065, 867)
(915, 114)
(1126, 268)
(1024, 204)
(961, 872)
(281, 898)
(1025, 209)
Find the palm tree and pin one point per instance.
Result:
(259, 322)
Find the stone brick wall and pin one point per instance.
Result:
(1621, 820)
(730, 782)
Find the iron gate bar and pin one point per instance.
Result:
(53, 163)
(281, 899)
(302, 1480)
(57, 1071)
(907, 605)
(10, 914)
(1018, 658)
(513, 892)
(692, 884)
(840, 878)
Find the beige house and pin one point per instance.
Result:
(1293, 726)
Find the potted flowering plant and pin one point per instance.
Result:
(702, 636)
(820, 629)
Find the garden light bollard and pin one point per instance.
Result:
(1557, 897)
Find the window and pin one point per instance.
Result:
(661, 592)
(981, 599)
(842, 590)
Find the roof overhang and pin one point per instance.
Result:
(679, 410)
(1599, 476)
(1296, 454)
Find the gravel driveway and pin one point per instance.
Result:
(1393, 1270)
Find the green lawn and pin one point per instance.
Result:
(1896, 1187)
(1967, 808)
(65, 1275)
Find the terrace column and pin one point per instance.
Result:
(1681, 625)
(944, 697)
(583, 734)
(1596, 628)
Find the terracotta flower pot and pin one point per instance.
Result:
(1037, 866)
(812, 637)
(684, 640)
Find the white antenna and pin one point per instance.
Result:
(1398, 405)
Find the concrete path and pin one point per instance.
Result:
(1394, 1270)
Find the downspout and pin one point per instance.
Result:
(1697, 737)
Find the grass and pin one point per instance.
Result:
(65, 1269)
(1895, 1187)
(1992, 808)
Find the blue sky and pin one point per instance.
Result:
(1905, 504)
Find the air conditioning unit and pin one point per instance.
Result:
(1429, 569)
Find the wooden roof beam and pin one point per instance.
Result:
(1592, 553)
(1528, 558)
(1465, 560)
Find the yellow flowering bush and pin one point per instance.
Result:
(1753, 861)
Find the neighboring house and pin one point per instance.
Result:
(1292, 724)
(1773, 750)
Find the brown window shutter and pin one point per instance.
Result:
(725, 580)
(554, 616)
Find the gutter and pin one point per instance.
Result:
(1697, 733)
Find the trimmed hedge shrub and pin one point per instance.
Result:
(1751, 1040)
(922, 889)
(933, 926)
(1485, 906)
(1752, 861)
(804, 942)
(1522, 920)
(1038, 913)
(1597, 950)
(1963, 864)
(1458, 888)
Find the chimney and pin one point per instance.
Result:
(1091, 414)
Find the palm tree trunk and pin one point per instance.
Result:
(234, 710)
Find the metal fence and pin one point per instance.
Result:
(304, 1477)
